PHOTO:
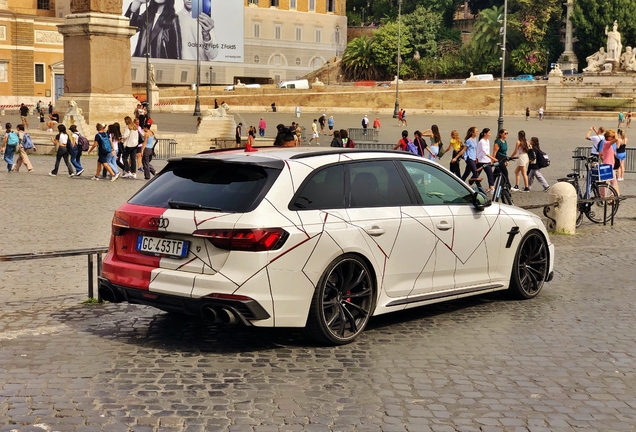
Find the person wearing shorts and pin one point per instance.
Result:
(521, 151)
(330, 123)
(314, 132)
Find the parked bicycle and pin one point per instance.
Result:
(590, 202)
(501, 185)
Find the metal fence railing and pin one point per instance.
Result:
(363, 135)
(94, 256)
(165, 148)
(579, 165)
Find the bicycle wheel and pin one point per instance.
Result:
(594, 211)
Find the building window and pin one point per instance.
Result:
(39, 73)
(277, 60)
(312, 5)
(278, 30)
(331, 5)
(4, 71)
(336, 37)
(318, 35)
(257, 59)
(184, 76)
(133, 74)
(256, 30)
(254, 2)
(159, 75)
(277, 78)
(44, 4)
(297, 61)
(292, 4)
(317, 62)
(299, 34)
(274, 3)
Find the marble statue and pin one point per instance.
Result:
(630, 65)
(472, 77)
(607, 68)
(614, 46)
(73, 108)
(317, 83)
(239, 84)
(626, 57)
(151, 77)
(595, 61)
(556, 71)
(218, 112)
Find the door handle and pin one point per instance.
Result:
(443, 226)
(375, 231)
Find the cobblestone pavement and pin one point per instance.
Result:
(564, 361)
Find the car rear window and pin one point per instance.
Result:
(217, 186)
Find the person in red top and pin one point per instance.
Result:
(376, 123)
(401, 145)
(400, 117)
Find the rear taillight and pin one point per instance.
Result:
(119, 225)
(251, 240)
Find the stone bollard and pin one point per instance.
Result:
(565, 213)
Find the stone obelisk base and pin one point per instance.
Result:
(101, 108)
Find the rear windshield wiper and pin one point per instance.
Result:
(182, 205)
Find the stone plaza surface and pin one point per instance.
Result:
(564, 361)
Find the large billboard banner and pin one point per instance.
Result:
(173, 25)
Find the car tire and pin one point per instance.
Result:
(530, 266)
(343, 301)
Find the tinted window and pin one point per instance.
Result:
(376, 184)
(436, 186)
(223, 186)
(324, 190)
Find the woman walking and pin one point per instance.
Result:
(456, 145)
(500, 151)
(521, 149)
(149, 143)
(484, 159)
(420, 144)
(336, 141)
(62, 142)
(10, 146)
(130, 140)
(534, 168)
(469, 152)
(114, 133)
(76, 150)
(621, 154)
(22, 151)
(436, 142)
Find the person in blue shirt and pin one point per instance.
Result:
(330, 124)
(469, 152)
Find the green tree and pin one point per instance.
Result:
(358, 59)
(590, 18)
(486, 32)
(423, 27)
(528, 59)
(385, 43)
(531, 18)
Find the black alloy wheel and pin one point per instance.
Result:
(343, 301)
(530, 267)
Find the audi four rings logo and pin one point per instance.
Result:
(159, 222)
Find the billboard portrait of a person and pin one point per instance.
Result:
(208, 46)
(165, 32)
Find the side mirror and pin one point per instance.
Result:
(481, 201)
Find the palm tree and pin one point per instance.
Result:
(487, 30)
(358, 59)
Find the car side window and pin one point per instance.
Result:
(436, 186)
(376, 184)
(324, 190)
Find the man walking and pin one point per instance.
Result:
(365, 124)
(261, 127)
(24, 115)
(314, 132)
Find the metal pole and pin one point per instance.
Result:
(148, 94)
(396, 109)
(210, 77)
(90, 276)
(99, 273)
(500, 120)
(197, 104)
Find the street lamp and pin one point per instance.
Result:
(547, 61)
(210, 77)
(197, 103)
(396, 109)
(435, 74)
(500, 120)
(148, 93)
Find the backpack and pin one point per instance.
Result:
(104, 143)
(27, 142)
(410, 147)
(13, 139)
(599, 146)
(82, 142)
(543, 161)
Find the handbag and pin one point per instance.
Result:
(441, 152)
(617, 163)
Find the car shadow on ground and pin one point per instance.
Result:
(148, 327)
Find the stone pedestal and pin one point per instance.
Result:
(101, 88)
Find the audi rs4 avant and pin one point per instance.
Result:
(320, 239)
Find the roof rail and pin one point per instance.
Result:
(337, 150)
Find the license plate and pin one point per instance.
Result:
(162, 247)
